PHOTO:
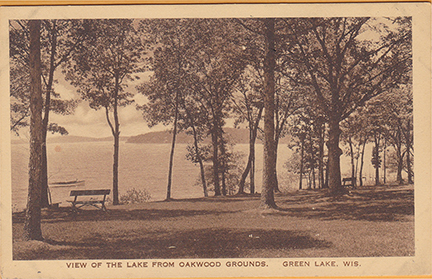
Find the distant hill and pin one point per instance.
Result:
(160, 137)
(234, 135)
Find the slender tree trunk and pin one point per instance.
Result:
(313, 178)
(357, 158)
(45, 202)
(276, 181)
(250, 167)
(384, 162)
(224, 167)
(115, 167)
(44, 180)
(312, 162)
(171, 160)
(215, 144)
(321, 157)
(377, 165)
(252, 151)
(32, 222)
(399, 157)
(267, 192)
(223, 178)
(326, 182)
(353, 175)
(245, 173)
(334, 153)
(252, 170)
(408, 148)
(116, 145)
(200, 162)
(301, 162)
(362, 162)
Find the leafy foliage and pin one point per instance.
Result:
(134, 196)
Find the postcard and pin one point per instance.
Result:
(218, 140)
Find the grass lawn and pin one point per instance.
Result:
(368, 222)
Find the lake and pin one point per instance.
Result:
(141, 166)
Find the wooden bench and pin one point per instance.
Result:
(96, 200)
(350, 180)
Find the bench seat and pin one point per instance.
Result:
(97, 198)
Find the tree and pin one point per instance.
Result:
(340, 60)
(269, 168)
(171, 82)
(217, 63)
(393, 115)
(299, 131)
(248, 106)
(288, 100)
(32, 223)
(112, 57)
(59, 39)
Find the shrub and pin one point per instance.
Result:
(135, 196)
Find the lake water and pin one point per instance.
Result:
(141, 166)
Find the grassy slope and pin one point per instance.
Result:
(368, 222)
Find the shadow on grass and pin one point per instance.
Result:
(369, 205)
(203, 243)
(66, 215)
(221, 199)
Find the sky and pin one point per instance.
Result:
(87, 122)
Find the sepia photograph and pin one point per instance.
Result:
(217, 140)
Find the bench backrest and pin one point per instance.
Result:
(90, 192)
(348, 179)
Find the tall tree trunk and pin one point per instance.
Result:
(200, 161)
(353, 174)
(377, 165)
(250, 167)
(223, 178)
(32, 222)
(334, 153)
(362, 162)
(399, 157)
(276, 181)
(245, 173)
(408, 148)
(215, 144)
(171, 160)
(326, 182)
(44, 180)
(252, 170)
(313, 178)
(267, 191)
(384, 162)
(301, 162)
(224, 166)
(116, 135)
(321, 157)
(312, 162)
(45, 201)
